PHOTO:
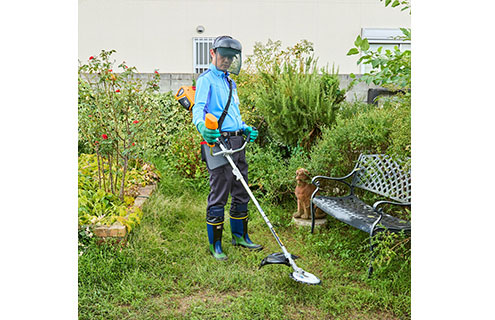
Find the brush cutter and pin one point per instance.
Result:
(284, 257)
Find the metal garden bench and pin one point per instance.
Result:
(379, 174)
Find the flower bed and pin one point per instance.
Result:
(99, 209)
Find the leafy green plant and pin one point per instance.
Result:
(400, 136)
(174, 138)
(366, 131)
(391, 69)
(166, 121)
(184, 152)
(271, 175)
(113, 109)
(391, 248)
(406, 4)
(264, 57)
(99, 207)
(266, 166)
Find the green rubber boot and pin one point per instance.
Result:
(215, 239)
(239, 227)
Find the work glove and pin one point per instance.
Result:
(253, 132)
(210, 135)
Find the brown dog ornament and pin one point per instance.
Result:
(304, 190)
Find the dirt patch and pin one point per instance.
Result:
(302, 312)
(204, 296)
(181, 304)
(372, 315)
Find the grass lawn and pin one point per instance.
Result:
(165, 272)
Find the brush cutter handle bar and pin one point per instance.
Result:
(226, 151)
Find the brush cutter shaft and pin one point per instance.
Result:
(226, 153)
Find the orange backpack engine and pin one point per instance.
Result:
(185, 96)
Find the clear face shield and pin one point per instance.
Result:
(228, 59)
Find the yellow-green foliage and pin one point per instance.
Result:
(134, 218)
(98, 207)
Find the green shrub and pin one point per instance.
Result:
(184, 152)
(392, 70)
(392, 252)
(350, 110)
(263, 57)
(261, 80)
(360, 128)
(266, 167)
(247, 96)
(401, 128)
(174, 138)
(166, 121)
(273, 176)
(367, 131)
(297, 105)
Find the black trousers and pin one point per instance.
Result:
(223, 182)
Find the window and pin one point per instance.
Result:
(201, 54)
(386, 38)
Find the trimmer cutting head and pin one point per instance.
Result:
(299, 276)
(305, 277)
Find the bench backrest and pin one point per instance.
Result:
(381, 174)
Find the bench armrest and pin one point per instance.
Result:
(342, 179)
(379, 203)
(380, 212)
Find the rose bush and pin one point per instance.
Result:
(113, 110)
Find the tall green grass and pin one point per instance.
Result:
(165, 272)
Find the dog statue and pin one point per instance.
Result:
(304, 190)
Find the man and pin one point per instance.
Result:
(216, 93)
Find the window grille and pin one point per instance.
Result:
(386, 38)
(201, 54)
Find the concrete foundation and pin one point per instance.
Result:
(307, 222)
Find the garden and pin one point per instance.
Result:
(132, 136)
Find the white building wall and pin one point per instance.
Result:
(157, 34)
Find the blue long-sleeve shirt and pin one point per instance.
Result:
(212, 93)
